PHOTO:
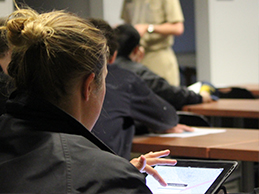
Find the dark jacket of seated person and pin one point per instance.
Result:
(176, 96)
(129, 55)
(127, 99)
(45, 149)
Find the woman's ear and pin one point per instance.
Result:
(87, 86)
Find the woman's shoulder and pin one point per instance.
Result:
(107, 171)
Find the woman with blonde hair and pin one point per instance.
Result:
(59, 67)
(5, 81)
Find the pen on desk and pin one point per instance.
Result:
(177, 184)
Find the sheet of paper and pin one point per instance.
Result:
(196, 132)
(195, 87)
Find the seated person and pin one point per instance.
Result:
(130, 52)
(128, 99)
(59, 69)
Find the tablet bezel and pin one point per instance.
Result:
(228, 166)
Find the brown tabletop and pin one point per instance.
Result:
(248, 151)
(244, 108)
(198, 146)
(234, 144)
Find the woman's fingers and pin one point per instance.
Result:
(145, 163)
(160, 161)
(151, 171)
(158, 154)
(140, 163)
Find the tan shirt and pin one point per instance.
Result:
(153, 12)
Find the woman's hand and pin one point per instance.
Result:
(145, 162)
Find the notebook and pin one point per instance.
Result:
(205, 86)
(192, 176)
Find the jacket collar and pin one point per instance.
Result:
(32, 108)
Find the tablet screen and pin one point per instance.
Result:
(191, 176)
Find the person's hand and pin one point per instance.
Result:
(141, 28)
(145, 162)
(205, 96)
(179, 128)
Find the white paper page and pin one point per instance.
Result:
(195, 87)
(196, 132)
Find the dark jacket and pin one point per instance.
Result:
(5, 88)
(128, 99)
(45, 150)
(176, 96)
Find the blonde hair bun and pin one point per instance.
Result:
(52, 51)
(26, 28)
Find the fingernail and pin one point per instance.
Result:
(164, 184)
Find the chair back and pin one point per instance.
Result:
(193, 119)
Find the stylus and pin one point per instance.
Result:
(177, 184)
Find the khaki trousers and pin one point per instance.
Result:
(164, 63)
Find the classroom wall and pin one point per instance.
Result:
(6, 7)
(227, 41)
(96, 8)
(112, 11)
(80, 7)
(185, 44)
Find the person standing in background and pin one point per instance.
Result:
(157, 23)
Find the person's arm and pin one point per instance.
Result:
(176, 96)
(150, 109)
(164, 29)
(145, 162)
(206, 97)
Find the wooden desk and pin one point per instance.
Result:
(244, 108)
(246, 151)
(234, 144)
(200, 146)
(178, 146)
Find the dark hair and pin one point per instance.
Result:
(128, 38)
(3, 42)
(52, 51)
(108, 32)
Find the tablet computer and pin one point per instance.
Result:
(192, 176)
